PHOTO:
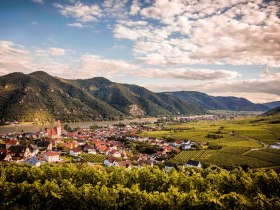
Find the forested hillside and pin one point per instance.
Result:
(84, 187)
(218, 102)
(41, 97)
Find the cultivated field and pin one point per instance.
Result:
(98, 158)
(244, 141)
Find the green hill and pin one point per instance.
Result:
(41, 97)
(274, 111)
(123, 96)
(218, 102)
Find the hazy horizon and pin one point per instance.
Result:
(222, 48)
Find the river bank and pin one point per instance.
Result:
(32, 127)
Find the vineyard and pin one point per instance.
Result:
(265, 155)
(230, 156)
(184, 156)
(98, 158)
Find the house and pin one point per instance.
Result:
(11, 142)
(34, 161)
(194, 163)
(90, 149)
(126, 163)
(75, 152)
(102, 149)
(34, 150)
(51, 156)
(114, 144)
(45, 145)
(19, 152)
(169, 166)
(114, 153)
(109, 161)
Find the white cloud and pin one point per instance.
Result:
(38, 1)
(52, 51)
(262, 85)
(76, 24)
(254, 97)
(57, 51)
(135, 8)
(14, 58)
(187, 74)
(94, 65)
(240, 32)
(81, 12)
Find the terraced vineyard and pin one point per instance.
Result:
(98, 158)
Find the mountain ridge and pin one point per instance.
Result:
(218, 102)
(39, 96)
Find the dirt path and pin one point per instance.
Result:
(265, 145)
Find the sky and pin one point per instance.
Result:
(220, 47)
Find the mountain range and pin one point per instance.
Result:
(218, 102)
(41, 97)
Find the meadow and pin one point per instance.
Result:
(243, 141)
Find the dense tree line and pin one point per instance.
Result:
(68, 186)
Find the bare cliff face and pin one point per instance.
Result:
(135, 110)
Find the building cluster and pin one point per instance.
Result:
(52, 144)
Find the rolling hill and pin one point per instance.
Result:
(41, 97)
(274, 111)
(272, 104)
(124, 97)
(218, 102)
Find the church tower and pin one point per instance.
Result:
(58, 129)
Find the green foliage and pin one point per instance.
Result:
(214, 136)
(143, 147)
(83, 187)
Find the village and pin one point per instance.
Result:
(117, 145)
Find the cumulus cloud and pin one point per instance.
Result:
(240, 32)
(81, 12)
(135, 8)
(187, 74)
(94, 65)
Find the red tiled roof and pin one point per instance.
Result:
(76, 150)
(51, 153)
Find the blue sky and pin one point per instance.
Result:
(229, 47)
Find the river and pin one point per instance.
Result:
(30, 127)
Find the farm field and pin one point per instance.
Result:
(244, 141)
(231, 156)
(98, 158)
